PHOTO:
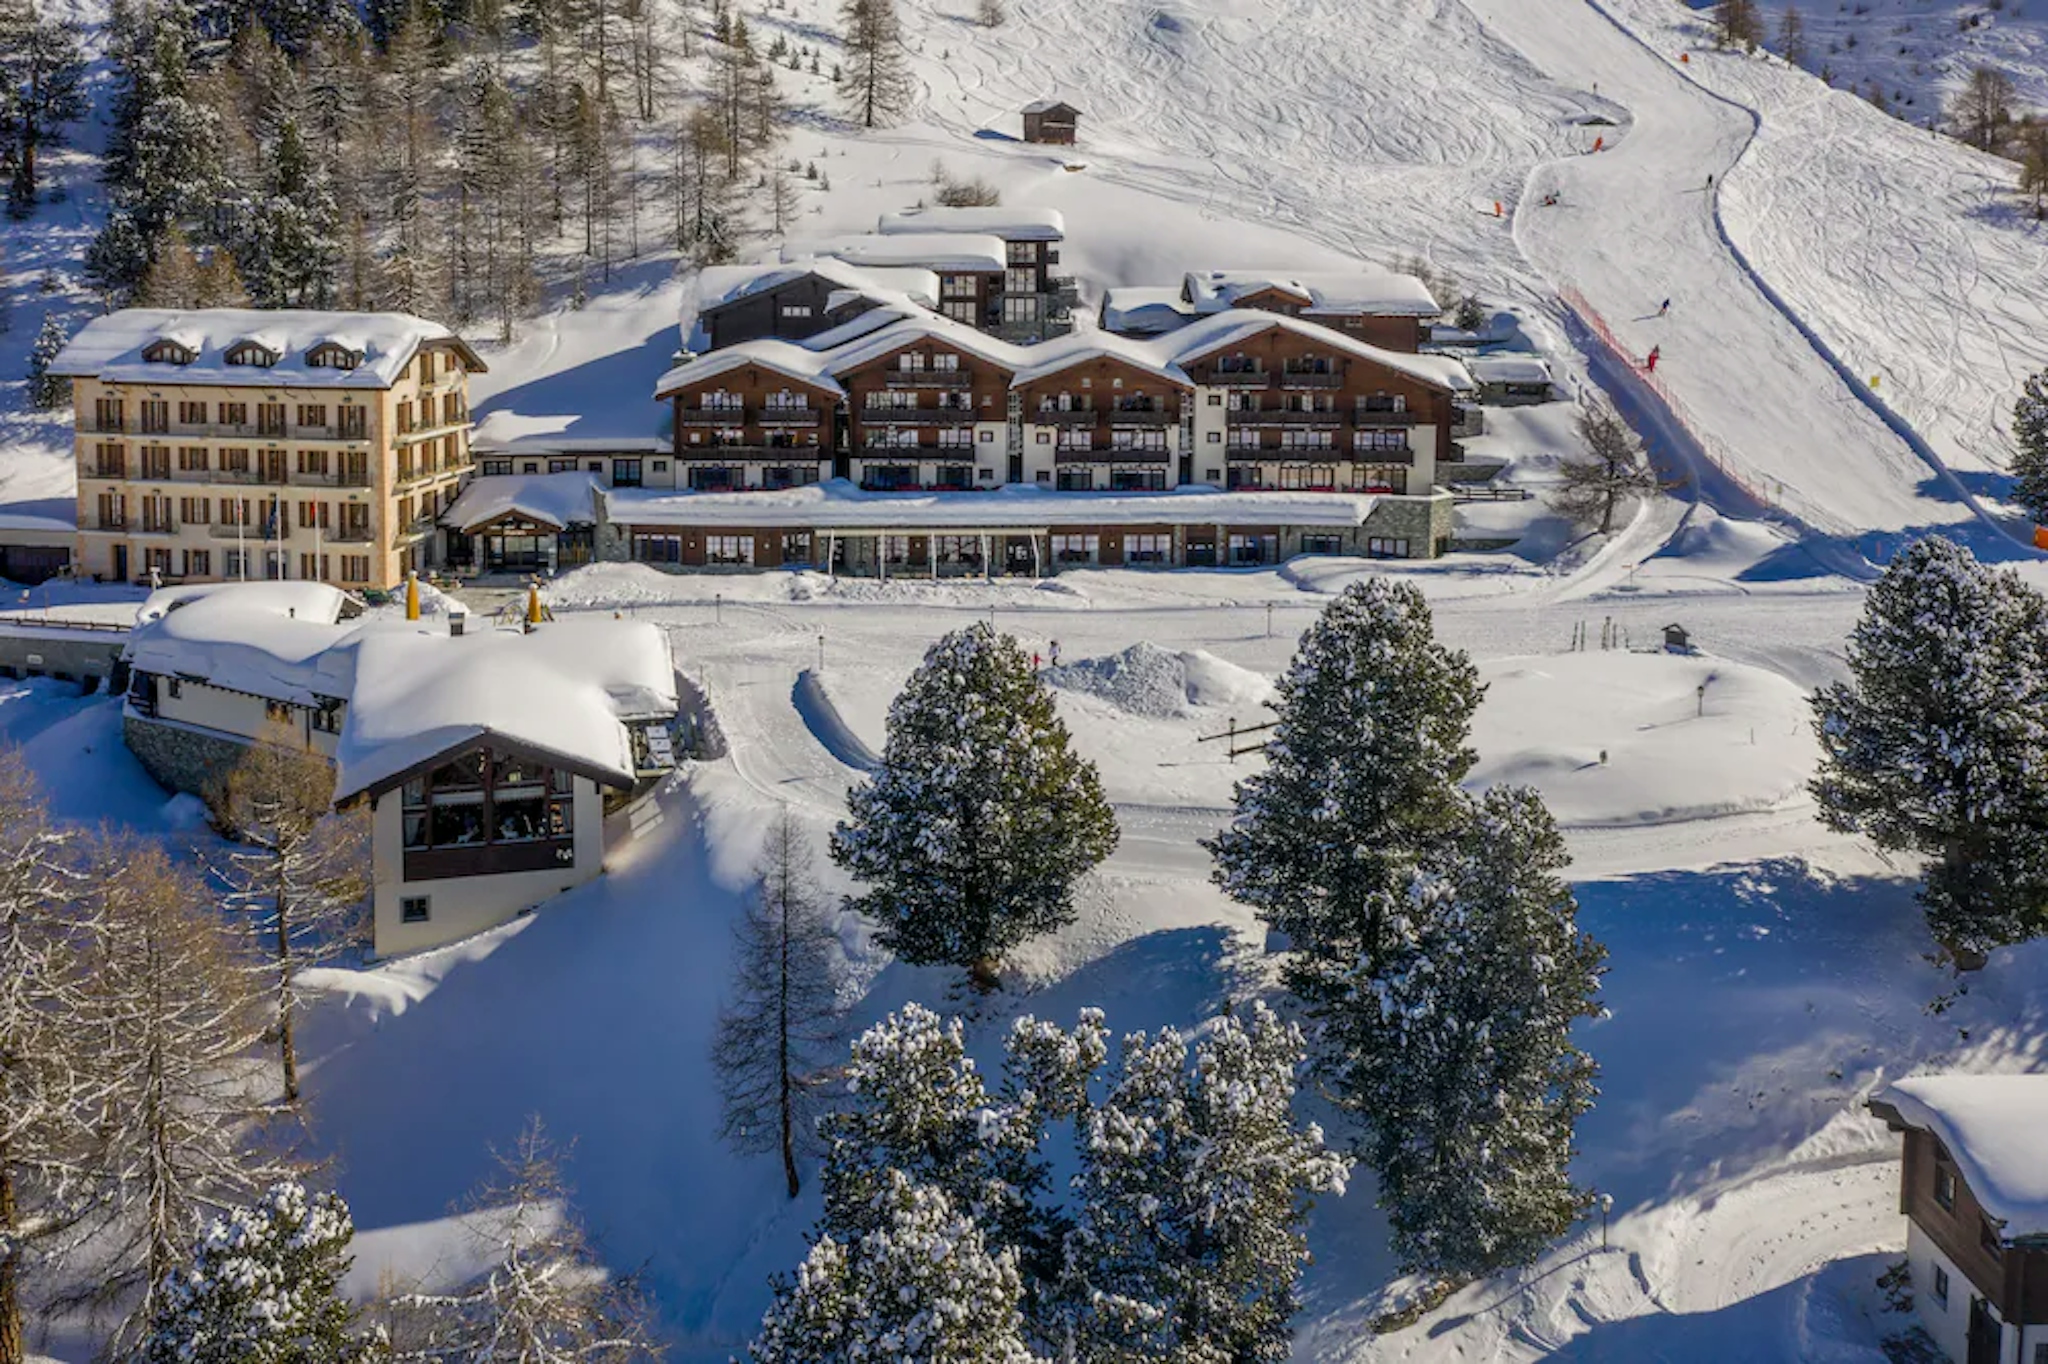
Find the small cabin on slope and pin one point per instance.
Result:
(1052, 121)
(1974, 1187)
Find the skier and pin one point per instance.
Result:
(1710, 180)
(1034, 662)
(1055, 646)
(1650, 364)
(1664, 307)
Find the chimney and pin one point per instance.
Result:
(456, 620)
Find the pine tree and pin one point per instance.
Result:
(1935, 744)
(920, 1285)
(1616, 471)
(263, 1286)
(877, 84)
(982, 818)
(293, 248)
(42, 63)
(47, 390)
(546, 1299)
(298, 872)
(915, 1105)
(1457, 1053)
(1361, 780)
(2030, 438)
(48, 1069)
(1194, 1186)
(776, 1037)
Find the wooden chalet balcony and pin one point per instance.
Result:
(1240, 378)
(1140, 416)
(787, 416)
(714, 416)
(927, 378)
(1274, 454)
(1284, 416)
(1361, 417)
(1309, 379)
(728, 454)
(1058, 416)
(918, 416)
(1107, 456)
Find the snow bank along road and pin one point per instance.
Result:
(1384, 126)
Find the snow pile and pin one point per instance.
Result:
(1614, 738)
(1158, 683)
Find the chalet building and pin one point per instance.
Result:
(1380, 308)
(797, 301)
(926, 409)
(227, 444)
(1103, 422)
(490, 759)
(1035, 302)
(1974, 1188)
(1512, 380)
(763, 415)
(1052, 122)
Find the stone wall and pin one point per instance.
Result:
(180, 759)
(82, 656)
(1425, 523)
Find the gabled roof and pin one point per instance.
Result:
(720, 286)
(558, 500)
(1011, 224)
(1509, 369)
(1221, 331)
(1996, 1128)
(111, 347)
(942, 251)
(797, 363)
(1145, 311)
(280, 640)
(1047, 106)
(1364, 293)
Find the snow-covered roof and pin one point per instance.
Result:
(1145, 310)
(281, 640)
(719, 285)
(942, 251)
(111, 347)
(564, 691)
(1368, 293)
(1011, 224)
(839, 504)
(1995, 1127)
(1046, 106)
(559, 500)
(1164, 356)
(1508, 369)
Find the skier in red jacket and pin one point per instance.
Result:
(1650, 364)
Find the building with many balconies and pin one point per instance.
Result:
(226, 444)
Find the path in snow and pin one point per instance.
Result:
(1636, 224)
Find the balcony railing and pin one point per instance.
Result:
(1058, 416)
(351, 535)
(1275, 454)
(1140, 416)
(252, 431)
(1361, 417)
(1302, 378)
(419, 528)
(714, 416)
(727, 454)
(1239, 378)
(917, 416)
(1100, 456)
(113, 523)
(1283, 416)
(927, 378)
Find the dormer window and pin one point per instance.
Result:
(168, 352)
(251, 353)
(333, 355)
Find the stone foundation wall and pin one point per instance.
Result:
(180, 759)
(1425, 523)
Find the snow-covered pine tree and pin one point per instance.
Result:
(47, 390)
(2030, 455)
(263, 1286)
(972, 835)
(920, 1284)
(546, 1300)
(42, 63)
(293, 246)
(778, 1036)
(1935, 744)
(299, 870)
(875, 79)
(1194, 1185)
(1457, 1053)
(915, 1104)
(170, 1005)
(47, 1064)
(1361, 781)
(1616, 471)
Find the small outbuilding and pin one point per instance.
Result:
(1052, 121)
(1974, 1188)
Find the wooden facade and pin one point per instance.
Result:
(1396, 333)
(793, 310)
(753, 427)
(930, 408)
(1294, 407)
(1052, 122)
(1106, 412)
(2010, 1278)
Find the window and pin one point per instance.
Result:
(1020, 309)
(168, 352)
(1148, 549)
(963, 313)
(354, 422)
(796, 310)
(234, 414)
(2041, 1353)
(1076, 480)
(355, 568)
(198, 562)
(1023, 253)
(1020, 281)
(1988, 1237)
(107, 414)
(313, 462)
(1941, 1285)
(561, 466)
(658, 547)
(486, 797)
(1215, 400)
(312, 569)
(156, 415)
(192, 414)
(330, 355)
(1137, 480)
(959, 286)
(625, 473)
(1322, 544)
(1379, 548)
(1215, 438)
(1253, 549)
(1944, 1183)
(251, 353)
(415, 909)
(1075, 549)
(192, 459)
(494, 467)
(312, 414)
(156, 461)
(729, 549)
